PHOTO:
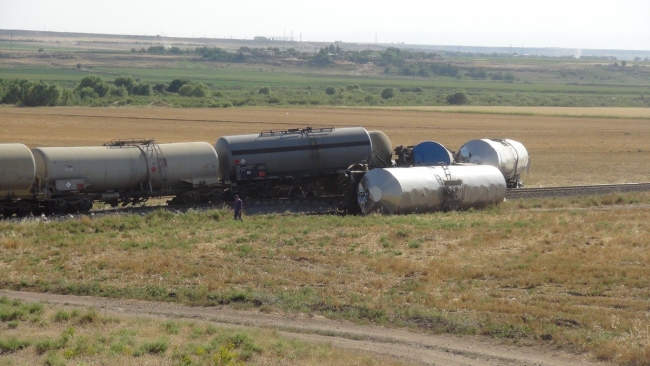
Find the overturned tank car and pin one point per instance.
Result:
(428, 189)
(509, 156)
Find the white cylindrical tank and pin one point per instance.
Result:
(91, 168)
(427, 189)
(17, 169)
(511, 157)
(195, 163)
(126, 167)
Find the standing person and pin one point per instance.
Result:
(238, 207)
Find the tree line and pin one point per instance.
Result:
(39, 93)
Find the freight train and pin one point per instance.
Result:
(272, 164)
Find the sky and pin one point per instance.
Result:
(599, 24)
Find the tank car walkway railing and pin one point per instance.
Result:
(129, 142)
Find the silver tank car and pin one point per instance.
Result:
(428, 189)
(511, 157)
(291, 154)
(17, 169)
(126, 166)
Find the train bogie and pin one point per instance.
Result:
(427, 189)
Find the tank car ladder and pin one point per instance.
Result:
(313, 142)
(162, 164)
(454, 191)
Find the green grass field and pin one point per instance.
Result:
(559, 82)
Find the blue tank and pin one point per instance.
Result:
(430, 153)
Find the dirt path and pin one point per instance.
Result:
(402, 344)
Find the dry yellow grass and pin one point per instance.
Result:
(564, 150)
(600, 112)
(569, 276)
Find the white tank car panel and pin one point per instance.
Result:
(107, 168)
(17, 170)
(299, 152)
(195, 163)
(511, 157)
(427, 189)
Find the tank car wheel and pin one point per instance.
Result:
(295, 192)
(24, 208)
(243, 192)
(113, 203)
(191, 198)
(265, 189)
(6, 212)
(84, 205)
(38, 210)
(215, 197)
(253, 194)
(57, 206)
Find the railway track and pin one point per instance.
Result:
(332, 205)
(572, 191)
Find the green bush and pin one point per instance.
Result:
(156, 347)
(387, 93)
(457, 98)
(177, 84)
(186, 90)
(96, 83)
(265, 90)
(200, 91)
(330, 90)
(88, 92)
(12, 345)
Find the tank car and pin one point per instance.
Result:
(296, 161)
(17, 171)
(71, 178)
(509, 156)
(426, 153)
(427, 189)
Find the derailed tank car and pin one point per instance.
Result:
(509, 156)
(17, 171)
(297, 162)
(70, 179)
(427, 189)
(426, 153)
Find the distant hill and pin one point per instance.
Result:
(69, 37)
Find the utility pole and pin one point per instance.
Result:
(11, 43)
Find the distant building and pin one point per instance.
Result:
(260, 38)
